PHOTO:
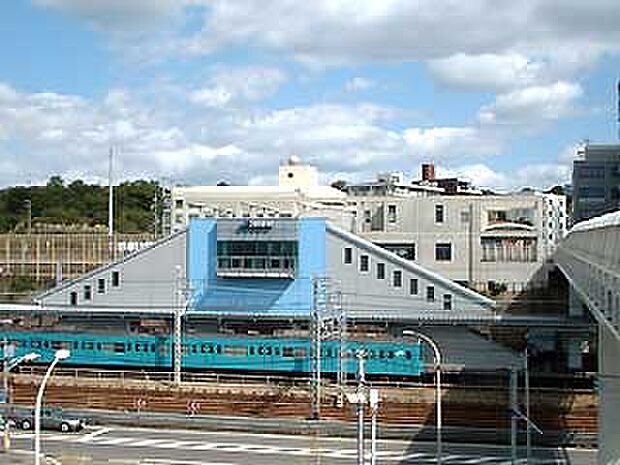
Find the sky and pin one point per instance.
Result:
(199, 91)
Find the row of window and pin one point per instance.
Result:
(397, 277)
(439, 214)
(443, 252)
(87, 290)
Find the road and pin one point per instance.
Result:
(141, 446)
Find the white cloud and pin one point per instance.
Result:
(539, 175)
(532, 105)
(126, 16)
(347, 31)
(358, 84)
(446, 142)
(248, 84)
(486, 72)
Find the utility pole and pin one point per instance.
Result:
(111, 208)
(361, 400)
(328, 321)
(374, 408)
(528, 434)
(179, 310)
(514, 409)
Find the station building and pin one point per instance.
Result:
(261, 274)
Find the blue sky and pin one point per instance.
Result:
(195, 91)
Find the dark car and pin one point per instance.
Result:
(51, 418)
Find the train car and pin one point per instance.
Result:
(216, 352)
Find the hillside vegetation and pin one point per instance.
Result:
(80, 206)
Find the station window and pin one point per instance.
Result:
(380, 270)
(397, 278)
(364, 263)
(348, 255)
(88, 292)
(73, 298)
(116, 279)
(430, 293)
(413, 286)
(447, 302)
(439, 214)
(101, 286)
(443, 252)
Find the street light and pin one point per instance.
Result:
(7, 366)
(437, 356)
(60, 355)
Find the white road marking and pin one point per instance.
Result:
(89, 437)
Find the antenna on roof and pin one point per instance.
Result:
(111, 207)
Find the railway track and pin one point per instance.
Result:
(552, 410)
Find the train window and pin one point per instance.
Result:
(57, 345)
(371, 353)
(408, 354)
(300, 352)
(251, 350)
(218, 349)
(390, 354)
(235, 351)
(203, 349)
(163, 349)
(381, 354)
(87, 345)
(152, 347)
(35, 344)
(76, 345)
(119, 347)
(194, 349)
(276, 351)
(267, 350)
(128, 347)
(99, 346)
(46, 344)
(288, 352)
(137, 347)
(261, 350)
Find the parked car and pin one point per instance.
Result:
(51, 418)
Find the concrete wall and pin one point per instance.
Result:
(609, 398)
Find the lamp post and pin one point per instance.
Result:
(437, 356)
(7, 366)
(60, 355)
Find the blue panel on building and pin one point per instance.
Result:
(265, 293)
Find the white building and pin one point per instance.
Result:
(298, 193)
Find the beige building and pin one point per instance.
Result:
(485, 241)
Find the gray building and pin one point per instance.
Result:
(596, 181)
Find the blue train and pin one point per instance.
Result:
(216, 352)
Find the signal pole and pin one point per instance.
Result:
(111, 208)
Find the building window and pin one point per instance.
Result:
(364, 263)
(88, 292)
(413, 286)
(447, 301)
(430, 293)
(439, 214)
(507, 249)
(391, 214)
(403, 250)
(116, 279)
(380, 270)
(348, 255)
(101, 286)
(443, 252)
(73, 298)
(178, 203)
(397, 278)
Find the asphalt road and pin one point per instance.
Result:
(141, 446)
